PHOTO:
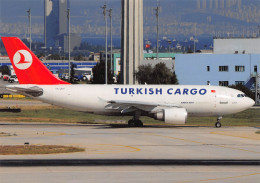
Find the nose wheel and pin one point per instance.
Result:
(218, 124)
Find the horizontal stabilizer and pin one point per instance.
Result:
(33, 91)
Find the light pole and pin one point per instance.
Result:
(195, 41)
(111, 41)
(45, 19)
(169, 42)
(30, 28)
(157, 11)
(68, 16)
(105, 16)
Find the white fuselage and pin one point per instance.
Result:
(197, 100)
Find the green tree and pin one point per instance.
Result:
(54, 57)
(99, 74)
(174, 79)
(79, 57)
(119, 78)
(159, 74)
(144, 74)
(41, 55)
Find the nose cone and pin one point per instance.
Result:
(248, 102)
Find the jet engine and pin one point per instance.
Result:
(176, 116)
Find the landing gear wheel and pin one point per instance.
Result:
(138, 123)
(218, 124)
(135, 123)
(131, 123)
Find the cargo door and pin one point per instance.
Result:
(223, 98)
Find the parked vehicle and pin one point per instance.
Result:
(13, 79)
(6, 77)
(86, 76)
(78, 77)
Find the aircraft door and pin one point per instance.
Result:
(223, 98)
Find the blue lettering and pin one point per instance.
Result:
(203, 91)
(158, 91)
(185, 91)
(131, 91)
(178, 91)
(116, 90)
(139, 91)
(169, 91)
(145, 91)
(123, 92)
(151, 92)
(193, 91)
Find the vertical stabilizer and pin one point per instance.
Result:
(28, 68)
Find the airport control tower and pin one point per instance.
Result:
(55, 20)
(131, 39)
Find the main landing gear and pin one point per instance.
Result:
(218, 124)
(136, 122)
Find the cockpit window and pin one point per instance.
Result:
(241, 95)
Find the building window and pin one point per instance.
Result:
(223, 83)
(208, 68)
(255, 68)
(223, 68)
(239, 82)
(239, 68)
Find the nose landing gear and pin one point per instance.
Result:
(218, 124)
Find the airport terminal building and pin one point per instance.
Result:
(217, 69)
(234, 61)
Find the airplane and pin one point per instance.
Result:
(169, 103)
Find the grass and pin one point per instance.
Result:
(258, 132)
(249, 117)
(33, 149)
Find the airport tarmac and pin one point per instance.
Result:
(129, 148)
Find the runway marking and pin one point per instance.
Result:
(187, 140)
(153, 134)
(224, 178)
(236, 148)
(34, 133)
(251, 136)
(109, 148)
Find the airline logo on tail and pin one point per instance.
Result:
(22, 59)
(28, 68)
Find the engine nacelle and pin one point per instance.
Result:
(176, 116)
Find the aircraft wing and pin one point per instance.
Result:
(131, 106)
(33, 91)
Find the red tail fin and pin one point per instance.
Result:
(28, 68)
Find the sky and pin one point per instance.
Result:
(177, 17)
